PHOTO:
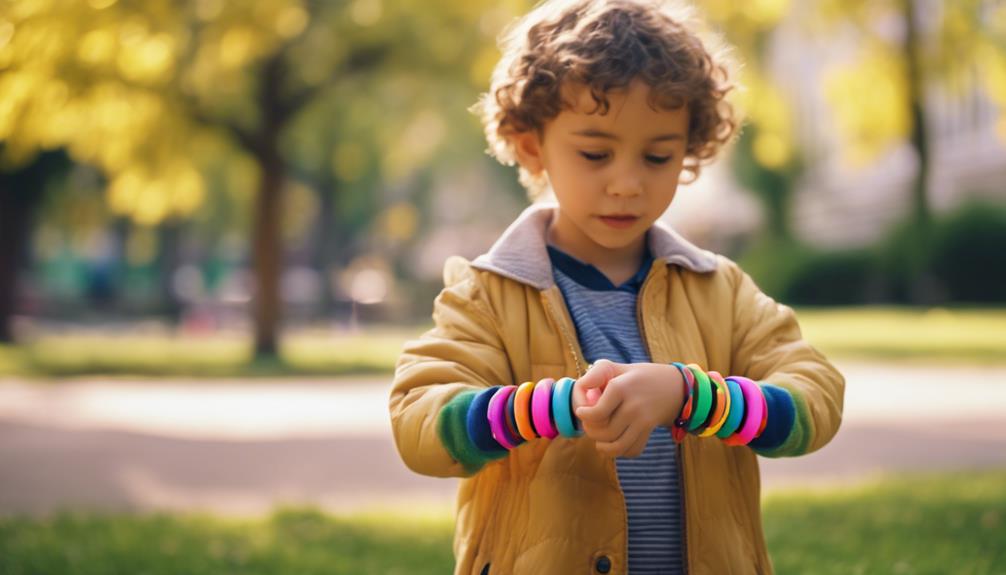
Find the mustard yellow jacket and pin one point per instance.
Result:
(555, 506)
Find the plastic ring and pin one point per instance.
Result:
(722, 405)
(753, 415)
(736, 415)
(511, 420)
(541, 409)
(678, 429)
(562, 408)
(522, 410)
(703, 393)
(496, 415)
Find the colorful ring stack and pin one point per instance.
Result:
(520, 413)
(733, 409)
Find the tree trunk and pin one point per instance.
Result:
(20, 193)
(15, 210)
(268, 259)
(919, 136)
(267, 241)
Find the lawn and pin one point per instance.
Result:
(935, 524)
(962, 336)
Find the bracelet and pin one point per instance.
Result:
(722, 405)
(753, 415)
(522, 410)
(703, 394)
(562, 408)
(541, 409)
(510, 419)
(678, 429)
(736, 415)
(496, 415)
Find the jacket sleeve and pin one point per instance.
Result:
(803, 390)
(439, 377)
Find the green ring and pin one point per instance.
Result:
(704, 399)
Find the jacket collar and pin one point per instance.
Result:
(521, 254)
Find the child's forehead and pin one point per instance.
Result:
(580, 98)
(632, 108)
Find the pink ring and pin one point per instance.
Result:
(497, 405)
(541, 409)
(755, 411)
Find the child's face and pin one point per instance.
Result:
(624, 163)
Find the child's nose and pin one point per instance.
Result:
(626, 186)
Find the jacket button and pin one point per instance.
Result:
(603, 564)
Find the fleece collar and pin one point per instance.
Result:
(521, 253)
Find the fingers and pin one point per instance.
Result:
(589, 388)
(606, 405)
(631, 443)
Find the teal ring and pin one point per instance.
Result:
(736, 415)
(562, 408)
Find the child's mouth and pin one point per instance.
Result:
(619, 221)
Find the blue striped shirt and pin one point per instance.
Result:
(605, 320)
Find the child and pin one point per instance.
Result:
(644, 461)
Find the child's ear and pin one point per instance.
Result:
(527, 146)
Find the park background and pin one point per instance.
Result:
(220, 220)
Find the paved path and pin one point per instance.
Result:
(243, 447)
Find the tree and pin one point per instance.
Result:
(150, 91)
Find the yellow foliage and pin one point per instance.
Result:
(399, 222)
(291, 21)
(766, 107)
(349, 161)
(869, 100)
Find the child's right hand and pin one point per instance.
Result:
(588, 389)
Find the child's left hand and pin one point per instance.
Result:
(634, 399)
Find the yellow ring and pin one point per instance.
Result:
(722, 404)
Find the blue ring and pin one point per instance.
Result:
(562, 408)
(736, 415)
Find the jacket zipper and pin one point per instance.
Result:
(612, 468)
(677, 459)
(577, 355)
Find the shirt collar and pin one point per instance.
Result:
(521, 254)
(592, 278)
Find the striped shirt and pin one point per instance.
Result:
(605, 320)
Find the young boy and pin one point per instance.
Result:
(606, 104)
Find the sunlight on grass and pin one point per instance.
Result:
(965, 335)
(925, 524)
(941, 336)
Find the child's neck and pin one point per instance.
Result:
(618, 264)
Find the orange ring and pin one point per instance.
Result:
(522, 410)
(719, 416)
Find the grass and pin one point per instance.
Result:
(963, 336)
(893, 334)
(54, 356)
(932, 524)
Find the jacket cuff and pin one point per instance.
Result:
(787, 429)
(452, 426)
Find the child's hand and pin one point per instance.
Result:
(634, 399)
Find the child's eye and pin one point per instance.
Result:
(594, 157)
(658, 159)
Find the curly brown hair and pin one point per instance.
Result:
(604, 45)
